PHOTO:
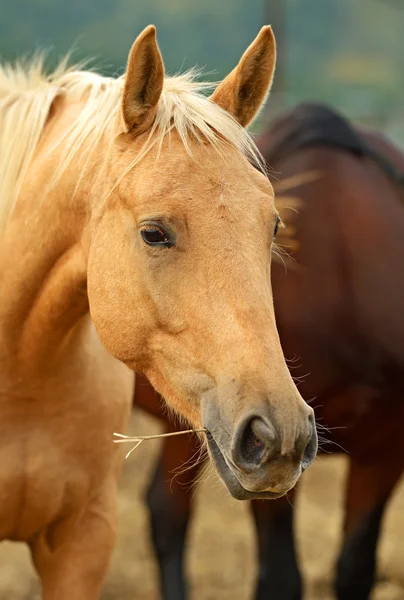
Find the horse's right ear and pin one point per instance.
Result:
(244, 90)
(143, 83)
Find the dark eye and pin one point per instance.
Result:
(277, 223)
(154, 235)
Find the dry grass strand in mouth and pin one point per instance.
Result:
(139, 439)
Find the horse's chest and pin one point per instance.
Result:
(52, 458)
(56, 433)
(34, 484)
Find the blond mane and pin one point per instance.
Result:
(27, 94)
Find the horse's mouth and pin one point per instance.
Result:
(229, 478)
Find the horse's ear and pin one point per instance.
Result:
(144, 81)
(244, 90)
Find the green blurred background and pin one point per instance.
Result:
(349, 53)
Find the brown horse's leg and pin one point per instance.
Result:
(72, 555)
(369, 488)
(279, 575)
(169, 499)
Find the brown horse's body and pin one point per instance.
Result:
(340, 315)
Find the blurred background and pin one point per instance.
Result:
(344, 52)
(347, 53)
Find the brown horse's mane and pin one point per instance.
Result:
(312, 124)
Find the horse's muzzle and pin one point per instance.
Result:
(261, 459)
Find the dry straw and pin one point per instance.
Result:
(139, 439)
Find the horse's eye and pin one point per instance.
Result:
(276, 228)
(154, 235)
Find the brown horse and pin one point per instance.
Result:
(133, 200)
(341, 312)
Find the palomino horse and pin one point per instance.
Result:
(340, 311)
(133, 200)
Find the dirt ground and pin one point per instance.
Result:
(222, 552)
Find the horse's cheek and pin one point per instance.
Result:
(118, 305)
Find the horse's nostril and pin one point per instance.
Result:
(255, 441)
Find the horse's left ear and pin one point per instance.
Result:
(244, 90)
(143, 83)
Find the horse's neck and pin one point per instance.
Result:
(42, 278)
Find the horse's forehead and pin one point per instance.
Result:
(209, 172)
(199, 196)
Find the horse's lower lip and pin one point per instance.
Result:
(232, 483)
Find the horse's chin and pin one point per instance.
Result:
(229, 478)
